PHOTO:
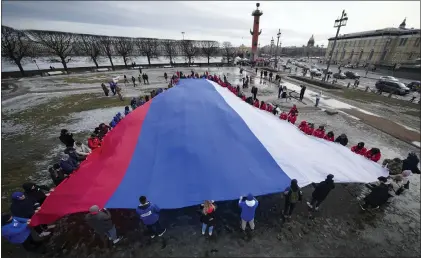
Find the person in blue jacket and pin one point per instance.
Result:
(248, 207)
(119, 116)
(68, 164)
(113, 123)
(17, 231)
(149, 214)
(126, 110)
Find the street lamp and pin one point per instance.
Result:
(338, 24)
(35, 61)
(183, 34)
(277, 45)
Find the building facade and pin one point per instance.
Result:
(385, 47)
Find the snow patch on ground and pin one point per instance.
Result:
(351, 116)
(9, 128)
(88, 120)
(407, 127)
(418, 144)
(42, 176)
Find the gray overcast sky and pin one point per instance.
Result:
(221, 21)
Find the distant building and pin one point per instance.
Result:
(305, 51)
(385, 47)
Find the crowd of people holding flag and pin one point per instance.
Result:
(25, 203)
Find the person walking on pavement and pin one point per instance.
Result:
(125, 80)
(134, 81)
(166, 77)
(105, 89)
(280, 89)
(302, 91)
(254, 92)
(318, 96)
(261, 74)
(140, 79)
(147, 78)
(149, 214)
(248, 207)
(100, 221)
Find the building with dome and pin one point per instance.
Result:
(309, 50)
(382, 47)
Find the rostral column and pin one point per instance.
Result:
(255, 33)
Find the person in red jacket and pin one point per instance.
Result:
(256, 103)
(293, 110)
(270, 108)
(310, 129)
(263, 105)
(373, 154)
(359, 149)
(243, 97)
(319, 132)
(94, 142)
(330, 136)
(303, 126)
(283, 116)
(292, 118)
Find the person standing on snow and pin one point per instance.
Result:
(166, 77)
(248, 207)
(292, 195)
(208, 217)
(134, 81)
(318, 96)
(105, 89)
(16, 230)
(321, 191)
(100, 221)
(302, 91)
(149, 214)
(330, 136)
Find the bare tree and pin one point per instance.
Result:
(148, 47)
(15, 46)
(106, 45)
(170, 48)
(124, 47)
(58, 43)
(189, 49)
(209, 49)
(228, 51)
(88, 45)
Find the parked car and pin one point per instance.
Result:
(339, 76)
(315, 72)
(349, 66)
(328, 72)
(389, 78)
(392, 86)
(351, 75)
(414, 86)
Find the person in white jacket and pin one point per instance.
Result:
(82, 149)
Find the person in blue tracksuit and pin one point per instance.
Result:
(149, 214)
(17, 231)
(113, 123)
(248, 207)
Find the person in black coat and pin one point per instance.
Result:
(411, 163)
(56, 174)
(379, 195)
(321, 191)
(66, 138)
(36, 192)
(23, 206)
(302, 91)
(342, 139)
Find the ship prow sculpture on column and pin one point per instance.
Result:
(255, 32)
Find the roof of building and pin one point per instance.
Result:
(380, 32)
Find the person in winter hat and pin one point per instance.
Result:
(310, 129)
(66, 138)
(37, 193)
(374, 154)
(82, 150)
(149, 214)
(411, 163)
(208, 216)
(22, 206)
(330, 136)
(378, 196)
(94, 142)
(100, 221)
(67, 164)
(342, 139)
(359, 149)
(248, 207)
(17, 231)
(56, 174)
(126, 110)
(303, 126)
(292, 195)
(321, 191)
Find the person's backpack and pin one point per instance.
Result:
(295, 196)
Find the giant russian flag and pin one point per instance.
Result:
(195, 142)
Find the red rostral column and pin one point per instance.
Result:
(255, 33)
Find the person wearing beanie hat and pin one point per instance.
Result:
(23, 207)
(378, 196)
(17, 231)
(67, 164)
(100, 221)
(248, 207)
(321, 191)
(292, 195)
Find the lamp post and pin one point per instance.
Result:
(35, 61)
(277, 45)
(338, 24)
(183, 34)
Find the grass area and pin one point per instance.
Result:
(413, 113)
(368, 97)
(21, 152)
